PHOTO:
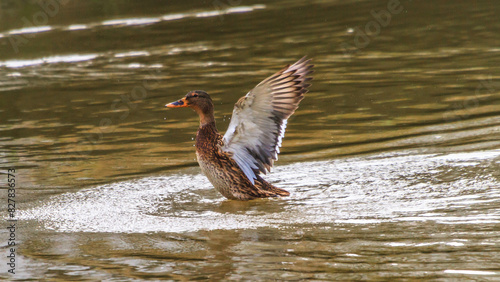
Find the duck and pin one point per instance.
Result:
(234, 162)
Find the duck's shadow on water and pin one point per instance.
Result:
(370, 189)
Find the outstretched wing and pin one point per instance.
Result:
(259, 119)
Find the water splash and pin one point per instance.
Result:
(363, 190)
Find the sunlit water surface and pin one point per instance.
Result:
(392, 159)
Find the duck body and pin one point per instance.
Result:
(224, 173)
(233, 162)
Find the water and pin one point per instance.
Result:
(392, 160)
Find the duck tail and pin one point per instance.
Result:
(269, 189)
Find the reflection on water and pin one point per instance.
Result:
(47, 60)
(392, 158)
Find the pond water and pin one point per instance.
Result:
(392, 159)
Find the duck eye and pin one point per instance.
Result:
(195, 95)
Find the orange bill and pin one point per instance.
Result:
(178, 104)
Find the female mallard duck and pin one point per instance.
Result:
(251, 144)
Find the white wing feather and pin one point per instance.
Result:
(259, 119)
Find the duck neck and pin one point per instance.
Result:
(206, 116)
(207, 136)
(206, 120)
(208, 128)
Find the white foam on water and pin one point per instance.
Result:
(362, 190)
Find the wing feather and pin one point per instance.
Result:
(259, 119)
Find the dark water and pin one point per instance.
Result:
(392, 160)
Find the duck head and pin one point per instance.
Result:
(200, 102)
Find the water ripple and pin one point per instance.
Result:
(31, 29)
(366, 190)
(73, 58)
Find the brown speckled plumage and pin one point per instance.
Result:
(233, 162)
(224, 173)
